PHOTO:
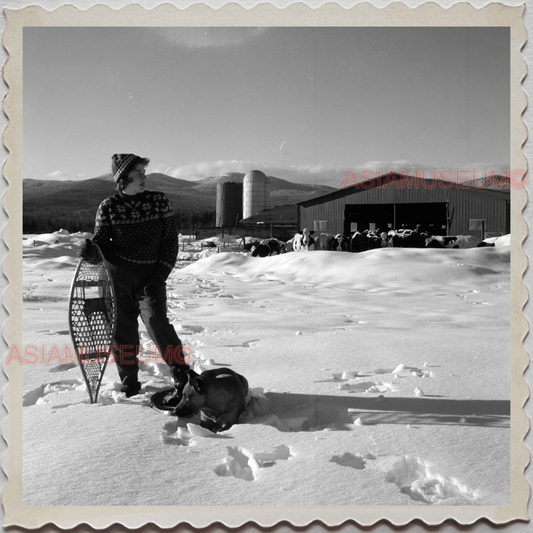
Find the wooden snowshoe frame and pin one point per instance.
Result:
(92, 319)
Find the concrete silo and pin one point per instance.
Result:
(256, 193)
(229, 203)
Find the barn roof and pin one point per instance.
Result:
(280, 215)
(501, 187)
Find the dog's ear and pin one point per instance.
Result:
(199, 386)
(192, 375)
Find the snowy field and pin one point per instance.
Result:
(379, 378)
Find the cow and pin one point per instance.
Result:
(339, 243)
(455, 241)
(248, 246)
(268, 247)
(367, 240)
(261, 250)
(277, 247)
(303, 241)
(408, 239)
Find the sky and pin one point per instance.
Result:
(303, 104)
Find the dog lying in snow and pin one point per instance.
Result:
(219, 395)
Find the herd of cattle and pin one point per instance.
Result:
(360, 241)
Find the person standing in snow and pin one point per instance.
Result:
(137, 235)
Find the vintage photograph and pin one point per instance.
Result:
(267, 266)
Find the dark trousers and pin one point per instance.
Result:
(132, 303)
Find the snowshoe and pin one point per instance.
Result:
(165, 400)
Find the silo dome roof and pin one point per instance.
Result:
(257, 176)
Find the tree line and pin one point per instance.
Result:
(48, 220)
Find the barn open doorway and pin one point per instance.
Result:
(361, 217)
(431, 217)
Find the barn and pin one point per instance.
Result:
(280, 221)
(397, 201)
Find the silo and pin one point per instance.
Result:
(256, 193)
(229, 203)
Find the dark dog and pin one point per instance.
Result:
(219, 395)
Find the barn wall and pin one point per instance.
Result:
(464, 204)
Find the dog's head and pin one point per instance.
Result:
(193, 397)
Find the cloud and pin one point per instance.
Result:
(480, 168)
(320, 174)
(208, 37)
(204, 169)
(373, 167)
(308, 174)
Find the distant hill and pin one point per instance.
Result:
(238, 177)
(49, 205)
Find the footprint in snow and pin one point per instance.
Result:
(174, 435)
(37, 396)
(402, 369)
(338, 376)
(63, 367)
(412, 476)
(177, 435)
(246, 344)
(366, 386)
(243, 464)
(349, 459)
(189, 329)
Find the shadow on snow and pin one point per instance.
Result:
(303, 412)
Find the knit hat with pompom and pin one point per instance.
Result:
(122, 163)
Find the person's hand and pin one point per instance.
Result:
(153, 285)
(88, 250)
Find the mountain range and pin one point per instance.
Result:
(60, 202)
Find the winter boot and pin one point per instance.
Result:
(131, 389)
(180, 375)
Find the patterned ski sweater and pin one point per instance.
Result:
(138, 233)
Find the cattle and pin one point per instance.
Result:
(322, 241)
(408, 239)
(268, 247)
(248, 246)
(261, 250)
(303, 241)
(339, 243)
(278, 247)
(367, 240)
(455, 241)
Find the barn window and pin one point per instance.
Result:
(478, 224)
(320, 226)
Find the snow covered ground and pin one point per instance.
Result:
(379, 378)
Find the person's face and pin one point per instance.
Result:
(138, 179)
